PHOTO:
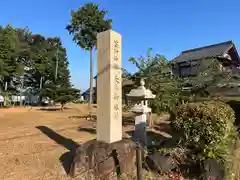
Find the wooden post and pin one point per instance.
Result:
(150, 120)
(139, 161)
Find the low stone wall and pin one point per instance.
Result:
(102, 161)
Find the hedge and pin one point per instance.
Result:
(206, 128)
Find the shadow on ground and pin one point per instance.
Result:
(89, 117)
(89, 130)
(52, 109)
(165, 127)
(161, 136)
(126, 120)
(159, 140)
(66, 158)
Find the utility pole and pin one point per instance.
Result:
(21, 73)
(6, 86)
(40, 86)
(21, 89)
(5, 94)
(56, 70)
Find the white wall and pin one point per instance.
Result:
(28, 99)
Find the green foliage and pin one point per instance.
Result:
(169, 94)
(126, 74)
(8, 44)
(207, 129)
(209, 76)
(156, 71)
(79, 101)
(151, 68)
(86, 22)
(126, 108)
(171, 90)
(6, 99)
(30, 61)
(45, 54)
(62, 95)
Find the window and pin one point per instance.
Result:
(194, 69)
(189, 68)
(185, 71)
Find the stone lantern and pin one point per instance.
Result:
(140, 97)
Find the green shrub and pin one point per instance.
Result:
(207, 129)
(127, 107)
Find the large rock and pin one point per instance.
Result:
(213, 170)
(99, 160)
(162, 162)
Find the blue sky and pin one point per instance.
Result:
(168, 26)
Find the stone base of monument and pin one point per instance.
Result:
(99, 160)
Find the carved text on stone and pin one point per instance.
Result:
(117, 80)
(116, 50)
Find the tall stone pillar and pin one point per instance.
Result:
(109, 90)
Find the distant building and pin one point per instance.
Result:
(188, 64)
(126, 85)
(86, 95)
(27, 97)
(189, 61)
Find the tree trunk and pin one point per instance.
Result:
(62, 106)
(21, 92)
(5, 94)
(6, 86)
(56, 69)
(91, 81)
(20, 103)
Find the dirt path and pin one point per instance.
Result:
(34, 142)
(31, 142)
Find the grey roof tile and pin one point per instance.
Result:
(204, 52)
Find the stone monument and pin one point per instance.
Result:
(140, 95)
(109, 155)
(109, 90)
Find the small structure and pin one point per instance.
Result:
(86, 95)
(141, 95)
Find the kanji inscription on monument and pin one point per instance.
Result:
(109, 90)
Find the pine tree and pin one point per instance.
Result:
(86, 22)
(8, 43)
(34, 62)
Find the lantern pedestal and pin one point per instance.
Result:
(141, 109)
